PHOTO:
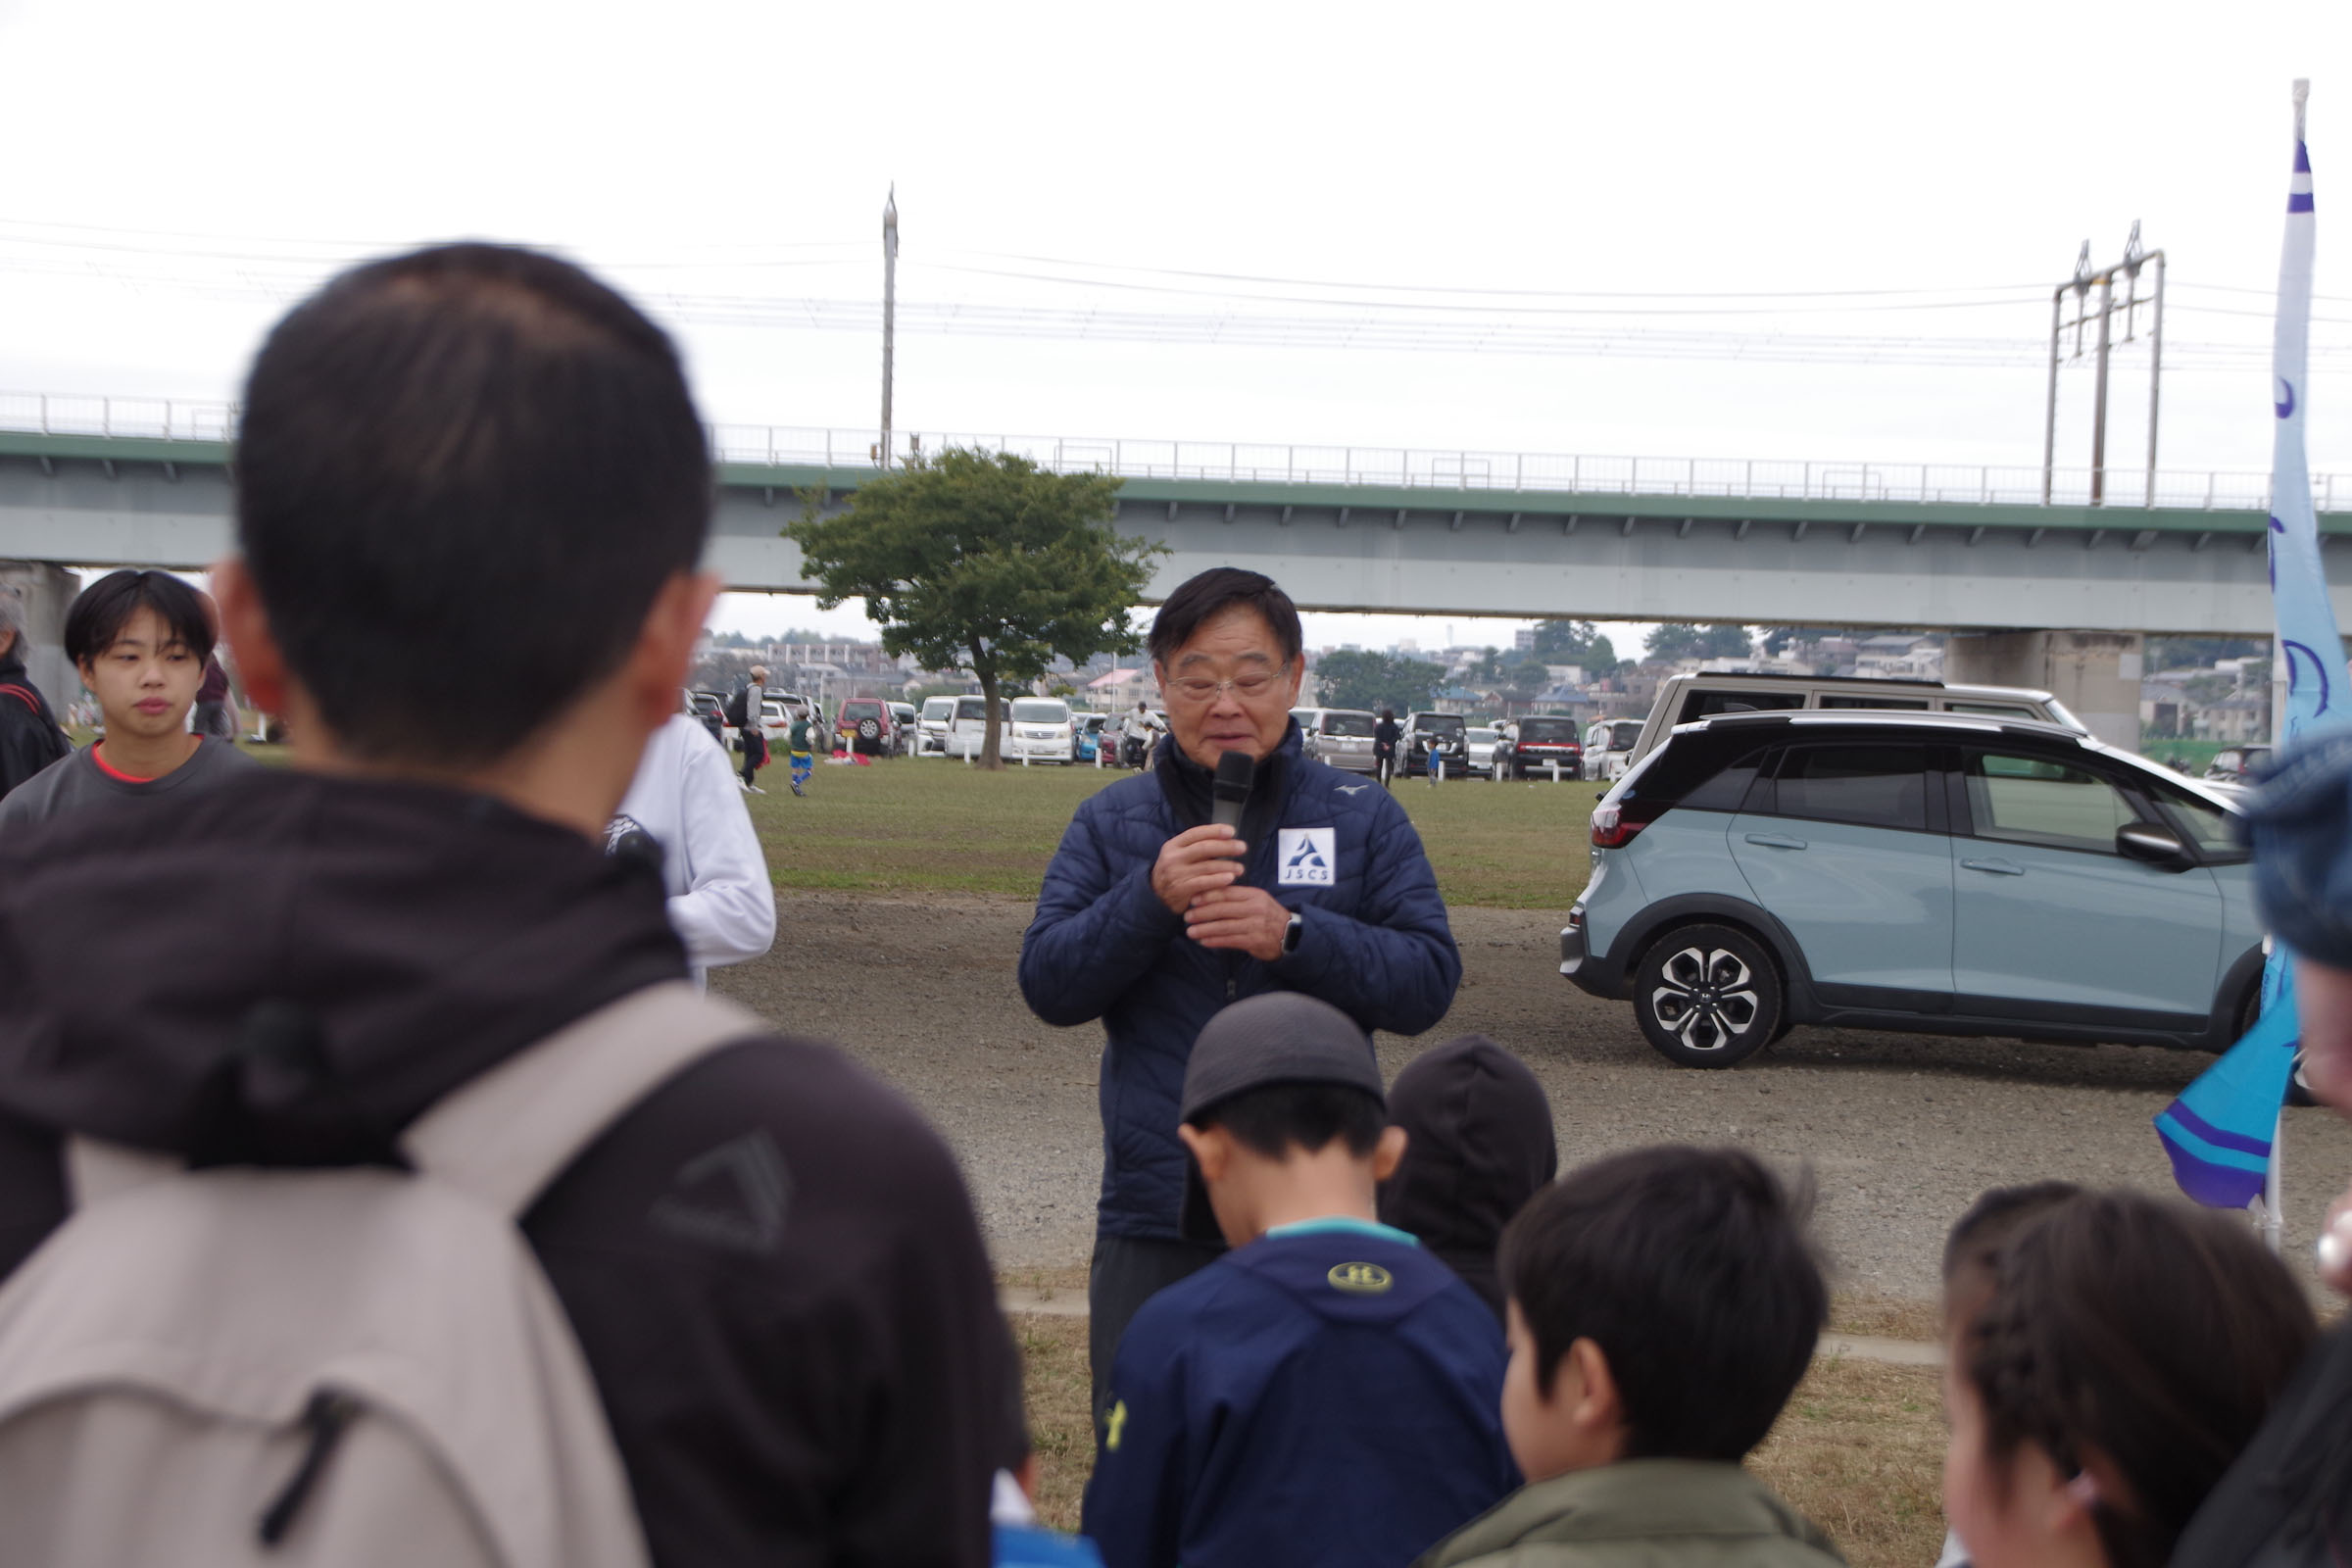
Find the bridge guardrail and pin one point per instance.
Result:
(1275, 462)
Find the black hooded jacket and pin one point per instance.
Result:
(1478, 1146)
(30, 739)
(289, 971)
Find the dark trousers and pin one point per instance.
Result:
(755, 752)
(1126, 1272)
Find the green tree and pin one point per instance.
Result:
(982, 560)
(1686, 640)
(1374, 682)
(1575, 642)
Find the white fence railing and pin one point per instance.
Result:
(1275, 462)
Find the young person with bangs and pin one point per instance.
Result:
(1663, 1305)
(2128, 1350)
(141, 641)
(462, 473)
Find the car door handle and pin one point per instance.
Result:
(1776, 841)
(1996, 867)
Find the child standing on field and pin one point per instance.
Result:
(803, 762)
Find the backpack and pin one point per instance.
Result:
(356, 1366)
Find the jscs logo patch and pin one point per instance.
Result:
(1307, 855)
(1359, 1279)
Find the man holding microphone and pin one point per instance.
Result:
(1234, 866)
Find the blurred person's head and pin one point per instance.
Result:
(1282, 1118)
(1226, 650)
(1478, 1146)
(1972, 1246)
(12, 621)
(759, 675)
(141, 640)
(2127, 1350)
(472, 492)
(1664, 1304)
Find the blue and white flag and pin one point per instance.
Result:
(2220, 1133)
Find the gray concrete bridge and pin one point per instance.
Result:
(1969, 550)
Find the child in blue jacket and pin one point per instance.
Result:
(1326, 1392)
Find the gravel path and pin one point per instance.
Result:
(1901, 1131)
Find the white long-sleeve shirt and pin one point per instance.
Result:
(721, 902)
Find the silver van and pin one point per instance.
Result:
(1689, 697)
(1341, 736)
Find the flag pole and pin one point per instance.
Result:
(2272, 1183)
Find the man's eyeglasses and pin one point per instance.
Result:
(1248, 688)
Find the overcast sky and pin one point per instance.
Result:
(1719, 230)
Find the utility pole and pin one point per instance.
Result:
(890, 311)
(2079, 286)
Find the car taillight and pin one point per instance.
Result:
(1615, 822)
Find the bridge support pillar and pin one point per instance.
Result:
(2095, 673)
(46, 591)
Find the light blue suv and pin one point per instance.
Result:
(1926, 873)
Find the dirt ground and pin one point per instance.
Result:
(1899, 1131)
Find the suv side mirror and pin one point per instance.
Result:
(2157, 845)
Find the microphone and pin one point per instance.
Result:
(1234, 771)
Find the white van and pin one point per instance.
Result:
(1609, 744)
(1039, 730)
(1339, 736)
(967, 725)
(1687, 698)
(931, 727)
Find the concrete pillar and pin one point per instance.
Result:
(46, 592)
(2095, 673)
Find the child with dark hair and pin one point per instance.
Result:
(1478, 1146)
(1326, 1392)
(1971, 1250)
(1664, 1304)
(141, 641)
(2128, 1350)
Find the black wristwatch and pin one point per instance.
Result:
(1290, 934)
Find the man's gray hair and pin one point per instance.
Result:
(12, 616)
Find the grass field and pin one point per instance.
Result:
(1859, 1449)
(929, 825)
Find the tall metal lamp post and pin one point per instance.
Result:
(890, 312)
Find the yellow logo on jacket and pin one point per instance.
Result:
(1359, 1279)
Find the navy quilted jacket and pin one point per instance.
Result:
(1103, 946)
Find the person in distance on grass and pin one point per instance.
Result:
(2128, 1350)
(1152, 915)
(1664, 1304)
(800, 749)
(1478, 1146)
(141, 641)
(1971, 1250)
(463, 472)
(29, 737)
(1327, 1392)
(743, 711)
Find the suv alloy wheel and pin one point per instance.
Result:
(1707, 996)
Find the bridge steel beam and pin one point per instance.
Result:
(97, 501)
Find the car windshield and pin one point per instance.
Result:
(1549, 731)
(860, 709)
(1484, 737)
(972, 707)
(1040, 712)
(938, 706)
(1355, 726)
(1439, 723)
(1622, 734)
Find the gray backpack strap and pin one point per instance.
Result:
(503, 1136)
